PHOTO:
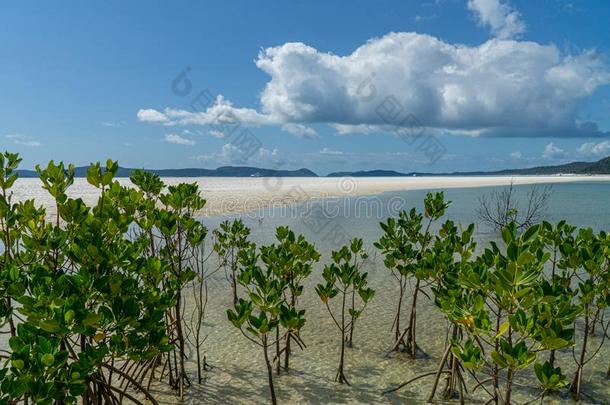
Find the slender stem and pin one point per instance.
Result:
(397, 337)
(439, 371)
(411, 338)
(269, 370)
(576, 383)
(509, 385)
(340, 374)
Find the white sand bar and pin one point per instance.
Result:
(227, 195)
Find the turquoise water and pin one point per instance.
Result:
(581, 204)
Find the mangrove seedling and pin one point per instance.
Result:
(360, 256)
(344, 278)
(290, 259)
(259, 315)
(450, 255)
(592, 255)
(527, 320)
(403, 244)
(231, 238)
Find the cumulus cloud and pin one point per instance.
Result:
(498, 88)
(501, 87)
(178, 140)
(151, 115)
(516, 155)
(23, 140)
(592, 149)
(553, 152)
(502, 19)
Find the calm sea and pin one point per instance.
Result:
(328, 222)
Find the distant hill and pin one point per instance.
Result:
(369, 173)
(599, 167)
(224, 171)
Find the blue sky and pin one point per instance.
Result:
(489, 84)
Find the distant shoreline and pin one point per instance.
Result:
(600, 167)
(240, 195)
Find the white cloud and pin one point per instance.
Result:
(221, 112)
(326, 151)
(504, 21)
(600, 149)
(498, 88)
(345, 129)
(178, 140)
(267, 153)
(216, 133)
(300, 130)
(553, 152)
(516, 155)
(233, 154)
(23, 140)
(150, 115)
(30, 144)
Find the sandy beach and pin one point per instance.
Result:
(234, 195)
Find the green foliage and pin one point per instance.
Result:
(343, 277)
(230, 240)
(291, 259)
(550, 378)
(89, 294)
(405, 245)
(505, 297)
(268, 276)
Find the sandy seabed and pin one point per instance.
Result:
(238, 375)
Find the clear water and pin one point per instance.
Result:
(581, 204)
(239, 374)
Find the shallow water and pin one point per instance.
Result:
(239, 376)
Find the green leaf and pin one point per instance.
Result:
(49, 325)
(502, 329)
(92, 320)
(553, 343)
(18, 364)
(48, 359)
(69, 315)
(498, 359)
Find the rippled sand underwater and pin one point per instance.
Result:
(238, 373)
